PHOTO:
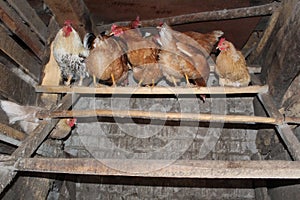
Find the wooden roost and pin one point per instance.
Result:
(25, 44)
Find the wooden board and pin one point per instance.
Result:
(13, 21)
(153, 90)
(19, 55)
(14, 88)
(29, 15)
(163, 168)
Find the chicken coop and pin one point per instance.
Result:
(86, 114)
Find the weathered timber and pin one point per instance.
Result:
(267, 33)
(11, 135)
(29, 15)
(280, 55)
(16, 25)
(163, 168)
(153, 90)
(19, 55)
(74, 10)
(236, 13)
(159, 115)
(285, 132)
(35, 139)
(51, 76)
(12, 87)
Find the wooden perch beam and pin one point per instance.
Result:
(154, 90)
(166, 116)
(160, 116)
(236, 13)
(163, 168)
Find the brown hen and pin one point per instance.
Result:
(231, 66)
(142, 54)
(207, 40)
(180, 57)
(107, 61)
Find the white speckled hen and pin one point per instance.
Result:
(70, 54)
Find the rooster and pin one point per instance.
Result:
(180, 58)
(26, 116)
(70, 54)
(231, 66)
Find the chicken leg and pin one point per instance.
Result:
(113, 80)
(187, 80)
(68, 82)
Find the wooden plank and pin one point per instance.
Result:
(12, 87)
(152, 90)
(17, 26)
(12, 133)
(236, 13)
(159, 115)
(267, 33)
(19, 55)
(163, 168)
(30, 17)
(291, 141)
(74, 10)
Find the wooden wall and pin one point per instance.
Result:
(23, 51)
(280, 59)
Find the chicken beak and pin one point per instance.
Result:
(217, 47)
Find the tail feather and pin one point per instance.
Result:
(88, 40)
(16, 112)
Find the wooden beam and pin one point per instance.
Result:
(29, 15)
(11, 135)
(288, 137)
(225, 14)
(285, 132)
(12, 87)
(35, 139)
(159, 115)
(19, 55)
(17, 26)
(153, 90)
(74, 10)
(267, 33)
(164, 168)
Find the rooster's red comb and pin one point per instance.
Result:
(68, 22)
(221, 41)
